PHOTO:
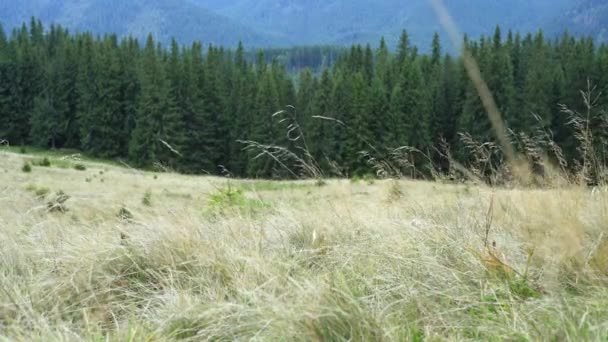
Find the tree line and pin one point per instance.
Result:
(198, 109)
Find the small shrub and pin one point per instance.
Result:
(169, 194)
(147, 199)
(40, 192)
(227, 198)
(320, 182)
(125, 214)
(88, 180)
(155, 177)
(234, 199)
(27, 168)
(369, 179)
(395, 192)
(62, 164)
(524, 289)
(58, 203)
(22, 150)
(80, 167)
(44, 162)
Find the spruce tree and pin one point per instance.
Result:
(7, 82)
(319, 130)
(102, 122)
(157, 121)
(499, 74)
(538, 87)
(264, 129)
(383, 65)
(29, 82)
(130, 90)
(51, 105)
(359, 136)
(241, 102)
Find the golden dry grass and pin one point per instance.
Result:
(214, 259)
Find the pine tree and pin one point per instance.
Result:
(3, 43)
(51, 105)
(319, 130)
(538, 87)
(101, 123)
(474, 119)
(264, 130)
(213, 136)
(130, 90)
(383, 65)
(379, 113)
(7, 94)
(434, 79)
(241, 101)
(341, 109)
(448, 96)
(70, 127)
(28, 85)
(200, 132)
(368, 64)
(436, 50)
(404, 50)
(499, 75)
(157, 120)
(359, 136)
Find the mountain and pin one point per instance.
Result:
(163, 18)
(262, 23)
(587, 17)
(354, 21)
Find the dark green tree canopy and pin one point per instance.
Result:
(205, 109)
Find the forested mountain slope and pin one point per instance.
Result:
(361, 21)
(281, 23)
(586, 17)
(115, 99)
(181, 19)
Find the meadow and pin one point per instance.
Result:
(95, 251)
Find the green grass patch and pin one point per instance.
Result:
(147, 199)
(230, 199)
(27, 168)
(170, 194)
(80, 167)
(39, 191)
(59, 155)
(369, 179)
(264, 185)
(44, 162)
(125, 214)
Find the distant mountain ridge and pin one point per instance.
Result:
(181, 19)
(354, 21)
(264, 23)
(587, 17)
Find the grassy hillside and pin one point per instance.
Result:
(106, 252)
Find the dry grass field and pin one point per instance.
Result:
(112, 253)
